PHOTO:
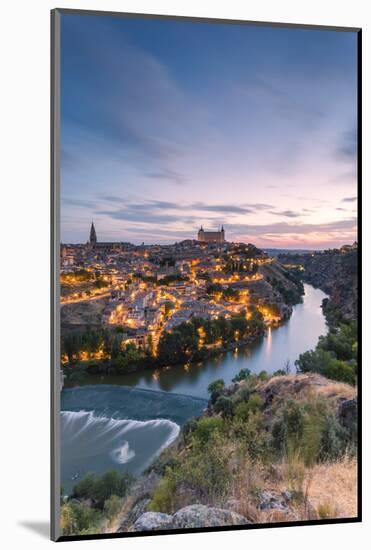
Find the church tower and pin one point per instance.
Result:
(93, 236)
(222, 235)
(201, 234)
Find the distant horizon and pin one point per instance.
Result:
(167, 125)
(195, 239)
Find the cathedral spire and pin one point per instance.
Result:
(93, 235)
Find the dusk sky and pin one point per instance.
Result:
(167, 125)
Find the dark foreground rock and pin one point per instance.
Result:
(191, 517)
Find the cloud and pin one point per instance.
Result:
(281, 228)
(167, 175)
(221, 208)
(259, 206)
(131, 101)
(165, 215)
(142, 216)
(81, 203)
(349, 199)
(286, 213)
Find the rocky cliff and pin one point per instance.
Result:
(336, 273)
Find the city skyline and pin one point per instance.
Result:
(170, 125)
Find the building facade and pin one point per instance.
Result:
(211, 236)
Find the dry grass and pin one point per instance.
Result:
(334, 486)
(328, 490)
(337, 390)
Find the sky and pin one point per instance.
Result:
(167, 125)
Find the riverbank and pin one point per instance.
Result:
(258, 454)
(75, 372)
(142, 396)
(260, 451)
(275, 350)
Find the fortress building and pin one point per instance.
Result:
(211, 236)
(93, 243)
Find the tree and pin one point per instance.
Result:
(217, 385)
(215, 389)
(242, 375)
(224, 405)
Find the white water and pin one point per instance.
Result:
(92, 443)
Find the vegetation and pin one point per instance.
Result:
(95, 499)
(217, 290)
(335, 355)
(78, 276)
(289, 296)
(241, 438)
(167, 280)
(189, 341)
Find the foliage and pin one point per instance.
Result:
(206, 427)
(242, 375)
(311, 430)
(112, 506)
(203, 472)
(76, 519)
(80, 276)
(335, 355)
(224, 406)
(248, 429)
(215, 389)
(279, 372)
(101, 488)
(164, 497)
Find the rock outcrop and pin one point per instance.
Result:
(196, 516)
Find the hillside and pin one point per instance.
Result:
(334, 272)
(281, 449)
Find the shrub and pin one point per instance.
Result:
(189, 427)
(326, 511)
(203, 473)
(243, 394)
(242, 375)
(164, 497)
(335, 440)
(252, 437)
(288, 430)
(311, 430)
(263, 375)
(215, 389)
(100, 488)
(224, 405)
(76, 519)
(279, 372)
(242, 411)
(112, 506)
(255, 402)
(206, 427)
(86, 487)
(217, 385)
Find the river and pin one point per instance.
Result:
(124, 422)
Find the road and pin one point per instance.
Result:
(89, 299)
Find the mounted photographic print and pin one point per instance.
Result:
(205, 301)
